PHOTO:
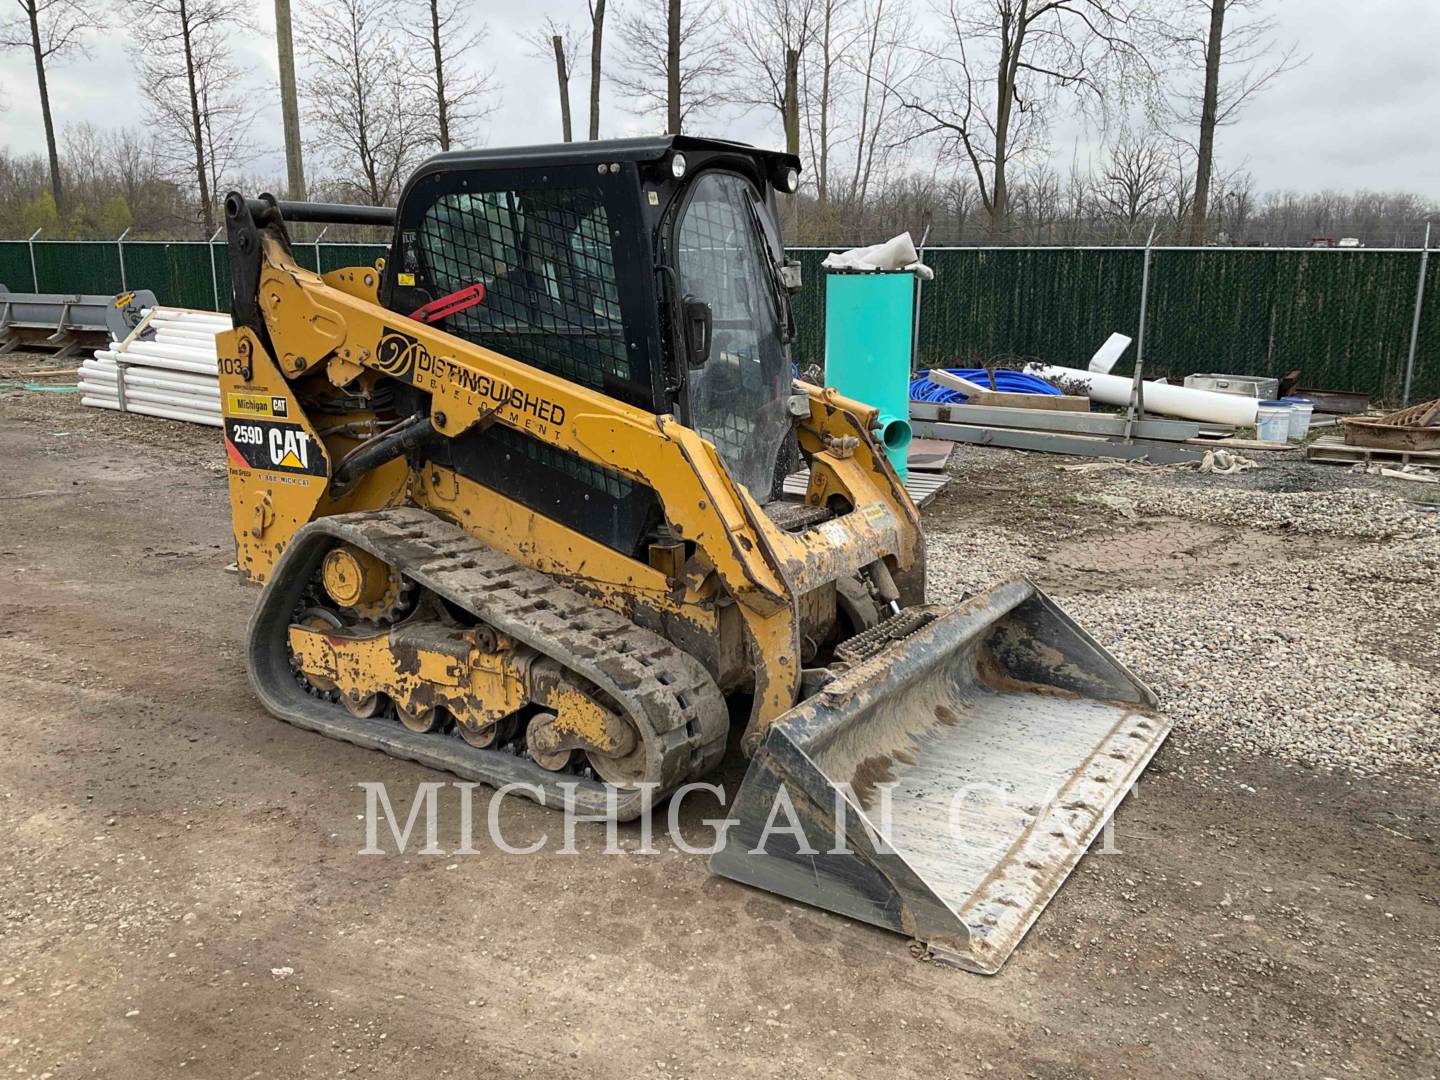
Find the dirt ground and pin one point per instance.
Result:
(184, 893)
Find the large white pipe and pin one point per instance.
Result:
(184, 326)
(1182, 401)
(152, 397)
(100, 386)
(110, 384)
(107, 368)
(156, 410)
(145, 358)
(198, 352)
(189, 318)
(167, 352)
(141, 376)
(188, 313)
(198, 338)
(135, 399)
(182, 315)
(195, 367)
(188, 325)
(110, 389)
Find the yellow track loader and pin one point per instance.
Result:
(514, 495)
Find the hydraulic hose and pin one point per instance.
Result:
(386, 446)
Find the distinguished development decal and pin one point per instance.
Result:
(397, 353)
(404, 357)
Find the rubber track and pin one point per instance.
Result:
(668, 695)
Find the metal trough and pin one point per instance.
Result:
(68, 323)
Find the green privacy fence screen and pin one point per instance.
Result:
(180, 272)
(1343, 317)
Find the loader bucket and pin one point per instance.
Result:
(945, 786)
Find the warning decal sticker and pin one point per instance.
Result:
(262, 444)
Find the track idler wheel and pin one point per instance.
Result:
(483, 738)
(540, 743)
(362, 708)
(420, 721)
(625, 770)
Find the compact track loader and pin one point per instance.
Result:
(513, 492)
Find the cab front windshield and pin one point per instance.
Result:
(738, 398)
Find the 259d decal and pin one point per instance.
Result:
(262, 444)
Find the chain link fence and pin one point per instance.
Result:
(1343, 317)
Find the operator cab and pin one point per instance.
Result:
(650, 270)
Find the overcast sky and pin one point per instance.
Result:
(1360, 114)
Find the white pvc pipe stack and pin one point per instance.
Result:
(169, 368)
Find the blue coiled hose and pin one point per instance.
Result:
(1009, 382)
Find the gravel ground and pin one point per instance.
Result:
(1298, 624)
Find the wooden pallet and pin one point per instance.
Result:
(923, 487)
(1333, 451)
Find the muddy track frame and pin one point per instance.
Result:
(668, 695)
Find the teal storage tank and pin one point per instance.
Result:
(869, 318)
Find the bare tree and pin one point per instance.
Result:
(115, 180)
(1233, 201)
(768, 37)
(822, 69)
(51, 30)
(957, 205)
(1079, 200)
(1180, 190)
(1002, 63)
(368, 124)
(197, 101)
(1134, 185)
(556, 43)
(680, 76)
(597, 37)
(289, 102)
(1233, 46)
(881, 65)
(1038, 201)
(460, 98)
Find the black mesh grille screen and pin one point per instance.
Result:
(612, 484)
(547, 264)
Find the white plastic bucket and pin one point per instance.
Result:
(1272, 421)
(1300, 412)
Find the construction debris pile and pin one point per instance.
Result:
(165, 367)
(1204, 424)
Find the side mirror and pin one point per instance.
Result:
(698, 323)
(790, 276)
